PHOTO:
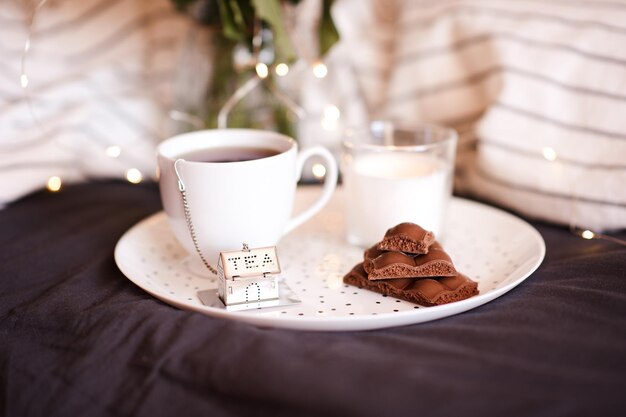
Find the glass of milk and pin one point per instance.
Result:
(394, 173)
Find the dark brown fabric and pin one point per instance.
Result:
(79, 339)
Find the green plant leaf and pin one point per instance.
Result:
(237, 15)
(231, 20)
(247, 13)
(182, 5)
(328, 34)
(269, 11)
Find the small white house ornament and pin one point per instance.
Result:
(248, 275)
(249, 279)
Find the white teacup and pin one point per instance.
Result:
(241, 200)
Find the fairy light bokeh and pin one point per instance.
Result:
(549, 153)
(329, 121)
(113, 151)
(318, 171)
(320, 70)
(262, 70)
(281, 69)
(54, 184)
(134, 176)
(587, 234)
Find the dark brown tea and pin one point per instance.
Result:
(228, 154)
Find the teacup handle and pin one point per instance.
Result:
(330, 182)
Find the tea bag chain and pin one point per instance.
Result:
(192, 230)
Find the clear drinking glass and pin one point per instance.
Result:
(394, 173)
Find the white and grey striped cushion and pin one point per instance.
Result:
(515, 77)
(100, 74)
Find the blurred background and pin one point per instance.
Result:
(536, 89)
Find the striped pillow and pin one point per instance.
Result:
(100, 76)
(536, 89)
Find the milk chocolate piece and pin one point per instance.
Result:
(423, 291)
(407, 237)
(384, 265)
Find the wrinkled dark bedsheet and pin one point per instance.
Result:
(79, 339)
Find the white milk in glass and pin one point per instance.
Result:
(384, 189)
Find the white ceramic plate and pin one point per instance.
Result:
(495, 248)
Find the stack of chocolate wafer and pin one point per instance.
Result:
(409, 264)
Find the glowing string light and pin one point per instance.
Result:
(54, 184)
(587, 234)
(320, 70)
(134, 176)
(330, 118)
(549, 153)
(318, 170)
(24, 81)
(113, 151)
(262, 70)
(282, 69)
(332, 112)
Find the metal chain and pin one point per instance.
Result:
(192, 230)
